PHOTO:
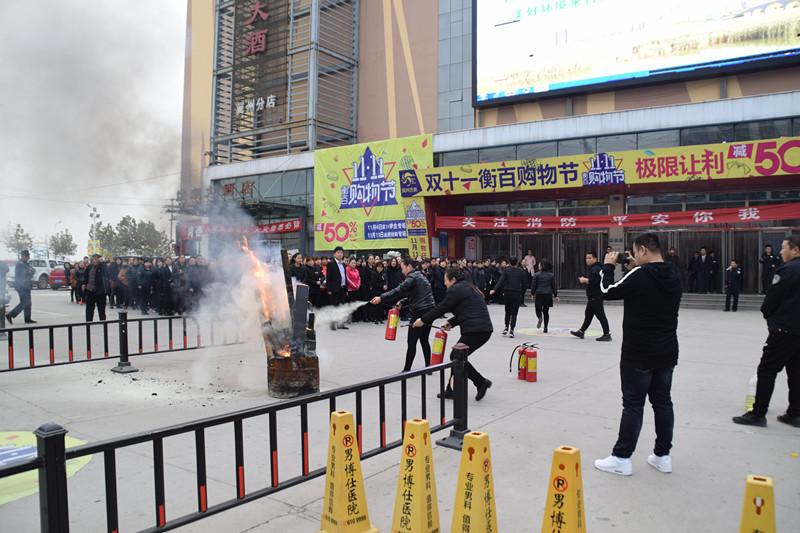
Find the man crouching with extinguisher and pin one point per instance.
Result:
(417, 290)
(468, 306)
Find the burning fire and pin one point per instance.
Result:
(259, 272)
(268, 308)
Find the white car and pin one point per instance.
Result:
(41, 274)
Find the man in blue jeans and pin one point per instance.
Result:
(651, 292)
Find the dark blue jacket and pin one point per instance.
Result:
(781, 306)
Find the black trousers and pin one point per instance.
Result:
(543, 304)
(512, 300)
(414, 335)
(728, 296)
(781, 350)
(474, 341)
(93, 299)
(594, 308)
(144, 299)
(24, 305)
(638, 384)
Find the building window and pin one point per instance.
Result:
(488, 210)
(527, 209)
(498, 153)
(707, 135)
(654, 204)
(596, 207)
(577, 146)
(293, 183)
(537, 150)
(765, 129)
(616, 143)
(463, 157)
(269, 185)
(658, 139)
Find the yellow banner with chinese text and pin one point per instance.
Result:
(746, 159)
(357, 195)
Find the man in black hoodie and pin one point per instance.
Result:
(652, 293)
(594, 305)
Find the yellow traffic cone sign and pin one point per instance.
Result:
(474, 510)
(416, 507)
(758, 510)
(563, 509)
(345, 507)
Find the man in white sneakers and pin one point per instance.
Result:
(652, 295)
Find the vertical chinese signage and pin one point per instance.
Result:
(357, 196)
(261, 64)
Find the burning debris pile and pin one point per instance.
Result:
(287, 328)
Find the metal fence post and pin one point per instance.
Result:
(53, 509)
(461, 422)
(124, 366)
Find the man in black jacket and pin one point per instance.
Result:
(96, 288)
(733, 285)
(781, 308)
(420, 300)
(652, 295)
(594, 305)
(769, 264)
(512, 284)
(336, 282)
(144, 282)
(23, 283)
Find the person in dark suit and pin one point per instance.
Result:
(336, 282)
(96, 288)
(23, 283)
(703, 271)
(769, 265)
(512, 284)
(733, 285)
(713, 273)
(144, 282)
(594, 295)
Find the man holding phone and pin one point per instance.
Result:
(594, 305)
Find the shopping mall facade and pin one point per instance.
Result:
(703, 156)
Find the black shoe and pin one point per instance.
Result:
(505, 332)
(31, 322)
(606, 337)
(577, 333)
(539, 324)
(448, 394)
(10, 320)
(791, 420)
(343, 327)
(333, 326)
(749, 419)
(511, 334)
(545, 330)
(482, 389)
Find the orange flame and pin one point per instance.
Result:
(259, 272)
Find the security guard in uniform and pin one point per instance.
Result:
(781, 308)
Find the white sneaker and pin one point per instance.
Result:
(615, 465)
(662, 464)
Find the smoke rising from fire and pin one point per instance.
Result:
(336, 315)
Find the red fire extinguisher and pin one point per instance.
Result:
(391, 324)
(439, 345)
(526, 361)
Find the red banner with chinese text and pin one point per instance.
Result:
(285, 226)
(675, 218)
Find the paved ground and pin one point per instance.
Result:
(575, 402)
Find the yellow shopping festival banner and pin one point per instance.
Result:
(358, 203)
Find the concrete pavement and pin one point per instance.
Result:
(576, 402)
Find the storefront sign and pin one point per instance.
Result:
(771, 157)
(357, 198)
(679, 218)
(287, 226)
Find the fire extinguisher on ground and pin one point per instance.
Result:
(392, 321)
(439, 345)
(527, 354)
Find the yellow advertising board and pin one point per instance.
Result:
(357, 198)
(747, 159)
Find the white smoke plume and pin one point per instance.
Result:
(336, 315)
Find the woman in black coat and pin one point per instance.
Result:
(469, 310)
(377, 286)
(543, 287)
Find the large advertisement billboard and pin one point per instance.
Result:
(526, 49)
(364, 196)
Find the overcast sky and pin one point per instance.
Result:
(90, 112)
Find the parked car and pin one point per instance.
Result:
(41, 275)
(57, 278)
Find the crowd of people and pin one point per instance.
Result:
(164, 286)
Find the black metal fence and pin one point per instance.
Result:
(52, 456)
(82, 342)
